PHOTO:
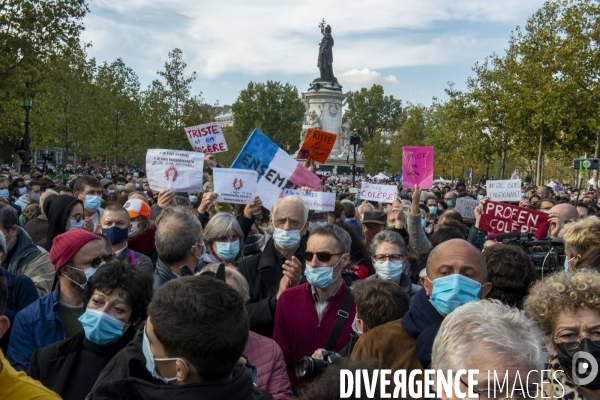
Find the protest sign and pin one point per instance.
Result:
(353, 190)
(465, 206)
(381, 193)
(508, 190)
(236, 186)
(318, 201)
(417, 166)
(178, 170)
(317, 145)
(505, 218)
(277, 170)
(207, 137)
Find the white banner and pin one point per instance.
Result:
(465, 206)
(506, 190)
(318, 201)
(178, 170)
(234, 185)
(380, 193)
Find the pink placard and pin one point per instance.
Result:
(417, 167)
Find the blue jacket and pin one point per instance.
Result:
(24, 293)
(36, 326)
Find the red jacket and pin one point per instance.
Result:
(266, 356)
(298, 331)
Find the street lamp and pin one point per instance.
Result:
(443, 173)
(354, 141)
(23, 150)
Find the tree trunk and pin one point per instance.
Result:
(503, 162)
(597, 155)
(540, 160)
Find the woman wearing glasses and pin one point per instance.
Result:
(566, 307)
(64, 213)
(388, 252)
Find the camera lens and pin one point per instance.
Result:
(309, 368)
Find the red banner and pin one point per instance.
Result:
(505, 218)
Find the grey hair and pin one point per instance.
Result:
(219, 227)
(140, 193)
(178, 231)
(360, 208)
(2, 243)
(294, 199)
(234, 275)
(493, 325)
(435, 249)
(340, 235)
(389, 237)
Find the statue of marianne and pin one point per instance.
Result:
(325, 61)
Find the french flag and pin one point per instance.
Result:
(277, 170)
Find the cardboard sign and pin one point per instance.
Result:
(277, 170)
(380, 193)
(417, 166)
(318, 201)
(207, 137)
(465, 206)
(505, 218)
(317, 145)
(178, 170)
(508, 190)
(236, 186)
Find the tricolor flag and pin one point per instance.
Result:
(277, 170)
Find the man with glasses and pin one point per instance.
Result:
(76, 255)
(306, 314)
(280, 265)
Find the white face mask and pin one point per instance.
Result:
(134, 228)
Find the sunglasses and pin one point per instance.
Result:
(322, 256)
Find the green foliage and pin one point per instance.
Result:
(273, 108)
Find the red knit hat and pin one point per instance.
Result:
(65, 245)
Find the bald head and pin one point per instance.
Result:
(456, 256)
(567, 212)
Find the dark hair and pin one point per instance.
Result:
(86, 180)
(358, 251)
(8, 216)
(349, 209)
(128, 278)
(203, 320)
(338, 210)
(15, 183)
(444, 233)
(31, 184)
(590, 259)
(3, 292)
(63, 188)
(461, 184)
(379, 301)
(511, 273)
(452, 215)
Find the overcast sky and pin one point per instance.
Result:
(412, 48)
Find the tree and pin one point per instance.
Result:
(370, 112)
(376, 154)
(274, 109)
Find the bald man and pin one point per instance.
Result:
(456, 274)
(559, 214)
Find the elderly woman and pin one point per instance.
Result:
(388, 253)
(116, 298)
(493, 338)
(224, 239)
(566, 307)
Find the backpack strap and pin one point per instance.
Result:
(132, 257)
(342, 316)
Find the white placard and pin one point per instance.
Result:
(318, 201)
(507, 190)
(207, 137)
(234, 185)
(465, 206)
(353, 190)
(380, 193)
(178, 170)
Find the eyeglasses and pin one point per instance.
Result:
(319, 218)
(391, 257)
(77, 217)
(570, 339)
(107, 257)
(95, 262)
(322, 256)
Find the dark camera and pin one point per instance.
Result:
(309, 368)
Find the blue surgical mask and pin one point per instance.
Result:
(119, 187)
(480, 197)
(150, 360)
(68, 185)
(4, 193)
(451, 292)
(449, 203)
(193, 199)
(76, 224)
(88, 274)
(424, 223)
(111, 191)
(567, 263)
(115, 234)
(286, 240)
(92, 203)
(320, 277)
(101, 328)
(390, 271)
(523, 195)
(227, 251)
(22, 191)
(433, 210)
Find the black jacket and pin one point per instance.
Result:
(58, 213)
(263, 272)
(126, 377)
(70, 367)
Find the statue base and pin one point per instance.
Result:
(325, 84)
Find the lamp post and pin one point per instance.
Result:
(24, 152)
(354, 141)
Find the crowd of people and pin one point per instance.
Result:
(110, 290)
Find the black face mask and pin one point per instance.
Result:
(565, 358)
